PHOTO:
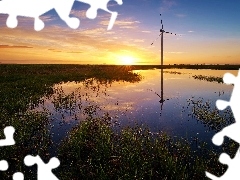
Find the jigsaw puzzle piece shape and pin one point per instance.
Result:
(36, 8)
(221, 104)
(18, 176)
(95, 5)
(235, 98)
(233, 167)
(44, 170)
(26, 8)
(8, 132)
(6, 8)
(63, 8)
(229, 78)
(3, 165)
(231, 131)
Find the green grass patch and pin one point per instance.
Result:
(94, 151)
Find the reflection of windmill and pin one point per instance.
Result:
(161, 96)
(161, 100)
(162, 31)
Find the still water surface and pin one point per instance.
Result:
(162, 106)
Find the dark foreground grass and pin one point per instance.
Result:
(94, 151)
(31, 136)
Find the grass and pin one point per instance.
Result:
(200, 77)
(212, 117)
(94, 151)
(209, 78)
(31, 136)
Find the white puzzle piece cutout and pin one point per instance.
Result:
(8, 132)
(36, 8)
(44, 170)
(232, 131)
(101, 4)
(18, 176)
(8, 141)
(3, 165)
(232, 172)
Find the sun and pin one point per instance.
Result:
(126, 60)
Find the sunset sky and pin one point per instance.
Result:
(208, 32)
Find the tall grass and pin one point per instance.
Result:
(94, 151)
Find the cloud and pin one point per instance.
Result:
(48, 18)
(181, 15)
(54, 50)
(92, 32)
(146, 31)
(65, 44)
(127, 27)
(123, 24)
(10, 47)
(166, 5)
(75, 52)
(175, 52)
(190, 31)
(81, 14)
(139, 40)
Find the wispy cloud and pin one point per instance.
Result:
(9, 46)
(138, 40)
(54, 50)
(181, 15)
(146, 31)
(175, 52)
(166, 5)
(81, 14)
(123, 24)
(190, 31)
(47, 18)
(75, 52)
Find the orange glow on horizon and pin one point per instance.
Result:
(126, 60)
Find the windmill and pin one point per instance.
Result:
(162, 31)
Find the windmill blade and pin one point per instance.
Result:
(161, 23)
(171, 33)
(156, 38)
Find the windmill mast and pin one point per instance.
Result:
(161, 34)
(161, 30)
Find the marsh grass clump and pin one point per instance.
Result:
(205, 112)
(173, 72)
(94, 151)
(208, 78)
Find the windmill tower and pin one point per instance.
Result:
(162, 31)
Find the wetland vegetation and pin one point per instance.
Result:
(94, 148)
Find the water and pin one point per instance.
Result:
(162, 106)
